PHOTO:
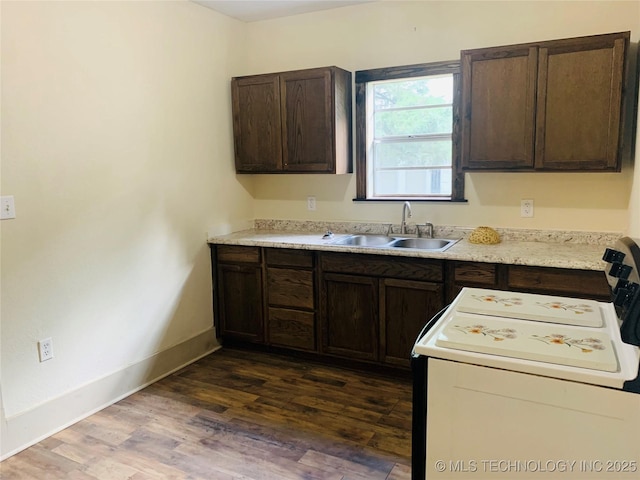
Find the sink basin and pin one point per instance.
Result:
(365, 240)
(439, 244)
(433, 244)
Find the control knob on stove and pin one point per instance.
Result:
(620, 270)
(624, 293)
(622, 284)
(611, 255)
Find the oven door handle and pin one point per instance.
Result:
(426, 328)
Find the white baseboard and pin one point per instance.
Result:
(24, 429)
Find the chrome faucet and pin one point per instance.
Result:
(403, 225)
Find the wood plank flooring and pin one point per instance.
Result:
(238, 415)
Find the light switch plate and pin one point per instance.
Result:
(7, 207)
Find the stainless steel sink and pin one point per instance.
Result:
(439, 244)
(365, 240)
(380, 241)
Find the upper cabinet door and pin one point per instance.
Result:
(307, 127)
(498, 107)
(579, 104)
(551, 106)
(256, 123)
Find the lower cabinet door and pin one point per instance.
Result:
(405, 307)
(350, 316)
(240, 299)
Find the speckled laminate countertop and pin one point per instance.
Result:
(575, 250)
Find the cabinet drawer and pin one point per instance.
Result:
(390, 267)
(475, 273)
(289, 258)
(233, 253)
(292, 328)
(290, 288)
(558, 281)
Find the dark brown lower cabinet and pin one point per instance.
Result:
(240, 297)
(376, 319)
(290, 290)
(405, 307)
(292, 328)
(365, 308)
(588, 284)
(562, 282)
(375, 313)
(471, 274)
(350, 316)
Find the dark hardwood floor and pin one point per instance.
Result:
(238, 415)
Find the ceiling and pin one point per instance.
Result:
(253, 11)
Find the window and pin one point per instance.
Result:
(405, 123)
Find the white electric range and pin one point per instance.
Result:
(513, 385)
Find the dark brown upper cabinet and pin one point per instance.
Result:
(293, 122)
(550, 106)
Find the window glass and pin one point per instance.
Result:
(407, 151)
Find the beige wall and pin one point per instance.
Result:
(398, 33)
(117, 146)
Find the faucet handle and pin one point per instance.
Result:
(428, 226)
(390, 229)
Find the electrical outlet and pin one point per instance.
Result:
(311, 203)
(7, 207)
(45, 349)
(526, 208)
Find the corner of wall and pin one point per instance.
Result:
(24, 429)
